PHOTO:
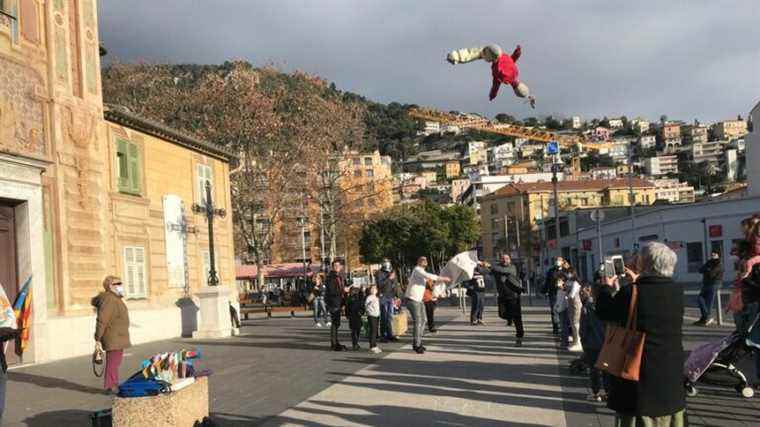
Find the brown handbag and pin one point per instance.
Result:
(623, 347)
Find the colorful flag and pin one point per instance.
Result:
(23, 310)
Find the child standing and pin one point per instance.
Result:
(573, 289)
(372, 307)
(592, 337)
(354, 312)
(560, 307)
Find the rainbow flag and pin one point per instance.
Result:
(23, 310)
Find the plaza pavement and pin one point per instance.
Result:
(279, 372)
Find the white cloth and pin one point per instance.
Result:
(372, 306)
(416, 288)
(461, 267)
(575, 289)
(7, 316)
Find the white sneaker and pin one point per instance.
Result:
(318, 324)
(575, 348)
(328, 324)
(375, 350)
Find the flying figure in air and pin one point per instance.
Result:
(503, 68)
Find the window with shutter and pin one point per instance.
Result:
(128, 166)
(122, 165)
(134, 169)
(134, 272)
(204, 175)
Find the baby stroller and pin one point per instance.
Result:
(715, 363)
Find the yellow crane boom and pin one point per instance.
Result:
(482, 124)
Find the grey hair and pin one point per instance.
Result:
(657, 259)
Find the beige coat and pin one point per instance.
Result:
(112, 328)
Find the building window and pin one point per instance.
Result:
(511, 207)
(357, 173)
(205, 174)
(368, 161)
(370, 173)
(694, 256)
(357, 161)
(494, 208)
(134, 272)
(128, 166)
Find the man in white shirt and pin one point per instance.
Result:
(414, 293)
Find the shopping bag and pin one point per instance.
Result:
(399, 324)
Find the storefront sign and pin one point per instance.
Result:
(716, 231)
(587, 244)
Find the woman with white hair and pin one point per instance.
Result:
(658, 398)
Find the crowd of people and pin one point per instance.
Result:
(580, 313)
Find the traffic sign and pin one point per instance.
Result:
(597, 215)
(552, 148)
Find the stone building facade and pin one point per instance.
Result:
(67, 216)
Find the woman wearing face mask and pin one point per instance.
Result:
(112, 329)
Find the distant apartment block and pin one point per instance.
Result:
(647, 141)
(694, 134)
(669, 136)
(730, 129)
(576, 122)
(660, 165)
(615, 123)
(603, 173)
(673, 191)
(476, 152)
(452, 169)
(640, 124)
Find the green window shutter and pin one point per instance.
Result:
(122, 165)
(134, 169)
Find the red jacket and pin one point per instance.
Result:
(504, 70)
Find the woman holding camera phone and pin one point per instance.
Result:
(658, 398)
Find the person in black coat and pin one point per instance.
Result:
(509, 287)
(335, 292)
(712, 278)
(659, 396)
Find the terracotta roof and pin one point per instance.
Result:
(125, 117)
(567, 186)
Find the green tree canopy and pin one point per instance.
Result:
(406, 232)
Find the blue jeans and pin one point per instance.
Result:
(386, 317)
(705, 301)
(553, 314)
(320, 309)
(476, 313)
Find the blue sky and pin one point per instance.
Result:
(687, 59)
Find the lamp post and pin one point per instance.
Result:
(210, 211)
(553, 150)
(302, 223)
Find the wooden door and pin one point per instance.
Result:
(8, 258)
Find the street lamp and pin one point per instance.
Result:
(552, 148)
(210, 211)
(301, 221)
